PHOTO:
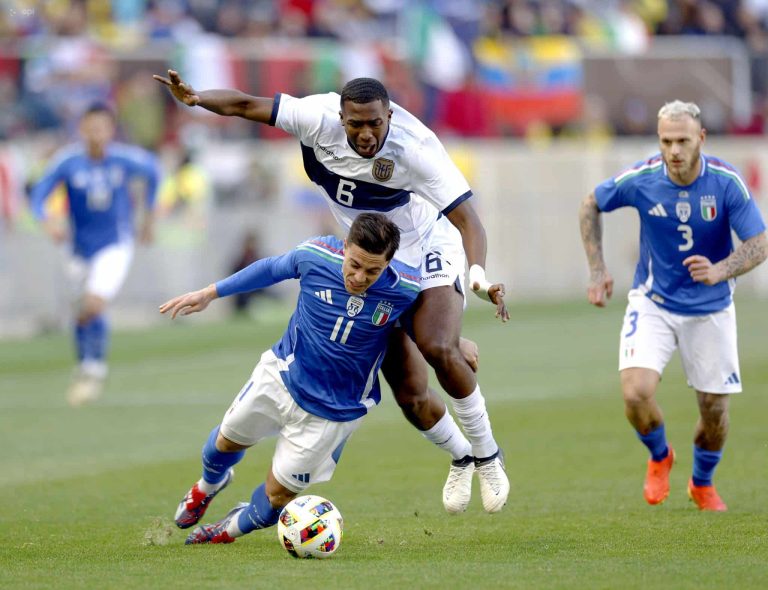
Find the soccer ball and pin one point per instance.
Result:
(310, 526)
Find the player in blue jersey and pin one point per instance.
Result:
(315, 385)
(366, 153)
(97, 174)
(682, 293)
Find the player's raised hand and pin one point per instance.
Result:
(496, 295)
(188, 303)
(600, 288)
(181, 91)
(702, 270)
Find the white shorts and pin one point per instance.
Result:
(650, 335)
(308, 447)
(104, 273)
(444, 259)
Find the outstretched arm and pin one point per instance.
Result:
(230, 103)
(747, 256)
(600, 280)
(260, 274)
(466, 220)
(190, 302)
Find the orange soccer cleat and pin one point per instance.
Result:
(656, 486)
(706, 498)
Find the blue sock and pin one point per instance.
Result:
(656, 441)
(260, 514)
(98, 338)
(216, 463)
(81, 338)
(704, 463)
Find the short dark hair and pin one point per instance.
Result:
(376, 234)
(98, 107)
(363, 91)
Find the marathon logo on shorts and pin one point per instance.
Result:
(383, 169)
(708, 207)
(381, 313)
(683, 210)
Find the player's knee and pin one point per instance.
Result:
(411, 396)
(440, 352)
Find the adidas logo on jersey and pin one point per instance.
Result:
(302, 477)
(733, 379)
(325, 296)
(657, 211)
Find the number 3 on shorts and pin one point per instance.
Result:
(632, 320)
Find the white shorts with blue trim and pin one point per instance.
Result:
(443, 258)
(308, 446)
(708, 345)
(104, 273)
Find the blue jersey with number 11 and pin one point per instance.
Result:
(679, 221)
(335, 341)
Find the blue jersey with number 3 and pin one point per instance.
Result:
(679, 221)
(335, 341)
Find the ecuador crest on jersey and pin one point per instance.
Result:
(381, 313)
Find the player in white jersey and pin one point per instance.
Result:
(682, 295)
(368, 154)
(97, 174)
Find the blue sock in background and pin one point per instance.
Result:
(656, 441)
(704, 463)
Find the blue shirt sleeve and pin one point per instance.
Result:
(144, 163)
(743, 214)
(44, 187)
(260, 274)
(610, 195)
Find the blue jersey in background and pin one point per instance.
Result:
(680, 221)
(98, 192)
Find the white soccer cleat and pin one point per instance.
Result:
(457, 491)
(494, 484)
(84, 389)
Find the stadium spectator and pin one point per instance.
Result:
(97, 174)
(351, 294)
(362, 162)
(682, 294)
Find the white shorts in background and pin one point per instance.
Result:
(104, 273)
(707, 343)
(444, 259)
(308, 447)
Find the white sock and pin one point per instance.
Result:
(208, 488)
(471, 414)
(233, 529)
(447, 435)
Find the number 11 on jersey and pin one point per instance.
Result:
(338, 328)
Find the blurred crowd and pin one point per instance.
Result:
(447, 60)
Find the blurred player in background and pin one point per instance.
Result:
(97, 174)
(682, 294)
(313, 387)
(373, 155)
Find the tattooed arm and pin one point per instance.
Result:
(600, 280)
(743, 259)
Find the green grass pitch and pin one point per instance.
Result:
(87, 495)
